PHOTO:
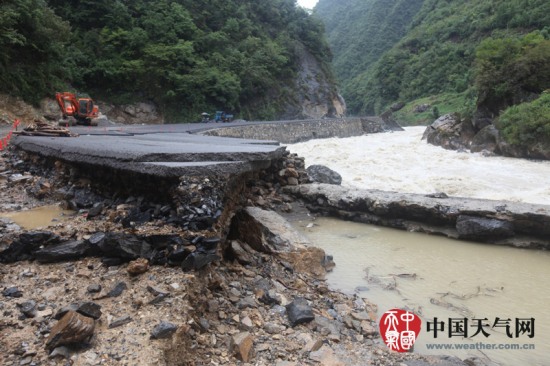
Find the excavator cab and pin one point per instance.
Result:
(86, 108)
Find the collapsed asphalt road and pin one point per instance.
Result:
(160, 150)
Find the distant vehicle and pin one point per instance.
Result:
(82, 109)
(221, 116)
(205, 117)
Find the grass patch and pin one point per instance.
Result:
(439, 105)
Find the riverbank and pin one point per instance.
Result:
(234, 310)
(522, 225)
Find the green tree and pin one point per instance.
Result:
(511, 70)
(33, 43)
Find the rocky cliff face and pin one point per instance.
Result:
(315, 93)
(144, 112)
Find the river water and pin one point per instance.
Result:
(399, 161)
(432, 275)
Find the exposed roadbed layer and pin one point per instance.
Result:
(499, 222)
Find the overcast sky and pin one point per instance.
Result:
(309, 4)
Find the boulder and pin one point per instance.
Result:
(137, 267)
(397, 106)
(322, 174)
(121, 245)
(120, 321)
(299, 312)
(486, 140)
(21, 249)
(198, 260)
(72, 328)
(266, 231)
(482, 229)
(446, 132)
(64, 251)
(90, 309)
(117, 290)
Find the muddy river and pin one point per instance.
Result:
(443, 278)
(457, 282)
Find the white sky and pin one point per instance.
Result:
(308, 4)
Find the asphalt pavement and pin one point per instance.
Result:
(166, 150)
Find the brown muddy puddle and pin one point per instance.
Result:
(448, 279)
(38, 217)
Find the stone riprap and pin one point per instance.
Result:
(289, 132)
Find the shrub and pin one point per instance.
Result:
(527, 123)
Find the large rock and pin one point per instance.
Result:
(21, 249)
(449, 132)
(121, 245)
(73, 249)
(198, 260)
(72, 328)
(538, 150)
(486, 140)
(479, 135)
(268, 232)
(323, 174)
(163, 330)
(483, 229)
(299, 312)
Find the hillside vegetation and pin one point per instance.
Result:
(187, 56)
(437, 53)
(359, 33)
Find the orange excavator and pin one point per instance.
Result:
(82, 109)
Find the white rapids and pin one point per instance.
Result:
(400, 161)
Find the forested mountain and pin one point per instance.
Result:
(359, 33)
(437, 53)
(187, 56)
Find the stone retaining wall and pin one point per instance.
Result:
(290, 132)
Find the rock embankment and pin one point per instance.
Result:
(455, 133)
(497, 222)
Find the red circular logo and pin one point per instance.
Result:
(400, 329)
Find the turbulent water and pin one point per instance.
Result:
(400, 161)
(432, 275)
